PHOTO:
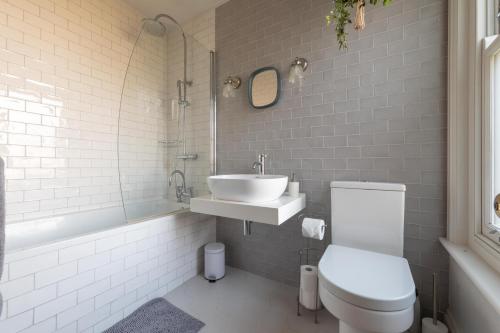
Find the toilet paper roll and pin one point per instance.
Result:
(313, 228)
(309, 287)
(429, 327)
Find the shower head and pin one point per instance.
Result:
(154, 27)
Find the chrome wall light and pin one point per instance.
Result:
(231, 83)
(297, 69)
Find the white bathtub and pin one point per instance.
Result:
(151, 208)
(33, 233)
(68, 274)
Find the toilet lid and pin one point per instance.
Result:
(367, 279)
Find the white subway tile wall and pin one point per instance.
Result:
(77, 285)
(62, 67)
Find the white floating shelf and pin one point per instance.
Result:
(272, 212)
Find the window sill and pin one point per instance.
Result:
(484, 277)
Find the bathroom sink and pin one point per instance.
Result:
(247, 188)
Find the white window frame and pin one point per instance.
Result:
(490, 137)
(468, 26)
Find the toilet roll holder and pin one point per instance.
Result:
(305, 253)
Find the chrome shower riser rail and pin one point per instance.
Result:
(213, 116)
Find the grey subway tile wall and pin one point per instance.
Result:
(376, 112)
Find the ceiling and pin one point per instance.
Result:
(181, 10)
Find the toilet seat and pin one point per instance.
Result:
(367, 291)
(366, 279)
(354, 319)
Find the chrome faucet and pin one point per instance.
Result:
(181, 192)
(260, 165)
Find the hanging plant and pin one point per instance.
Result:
(340, 15)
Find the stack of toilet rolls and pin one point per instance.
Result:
(308, 292)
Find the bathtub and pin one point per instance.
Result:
(28, 234)
(87, 271)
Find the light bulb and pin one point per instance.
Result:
(225, 92)
(296, 75)
(228, 91)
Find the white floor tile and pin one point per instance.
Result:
(246, 303)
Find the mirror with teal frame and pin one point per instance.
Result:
(264, 87)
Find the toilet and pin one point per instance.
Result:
(364, 280)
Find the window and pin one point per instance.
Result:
(490, 226)
(491, 139)
(473, 105)
(492, 17)
(496, 16)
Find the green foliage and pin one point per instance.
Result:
(385, 2)
(340, 15)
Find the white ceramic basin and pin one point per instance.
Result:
(247, 188)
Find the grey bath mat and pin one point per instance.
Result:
(157, 316)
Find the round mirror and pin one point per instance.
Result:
(264, 87)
